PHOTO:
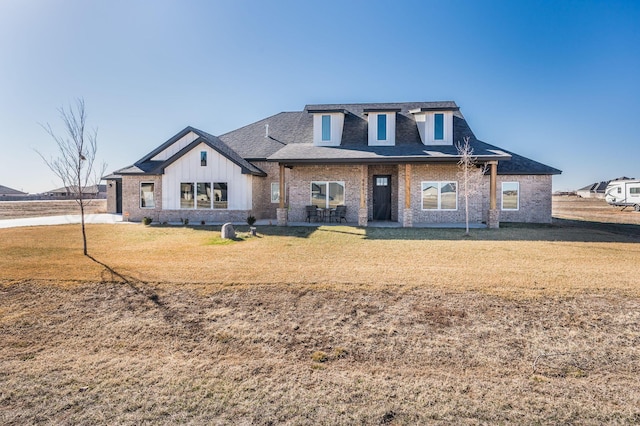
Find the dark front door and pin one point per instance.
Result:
(118, 196)
(382, 197)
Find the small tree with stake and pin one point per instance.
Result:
(470, 174)
(75, 164)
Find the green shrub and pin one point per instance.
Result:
(147, 220)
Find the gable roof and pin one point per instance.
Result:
(147, 165)
(5, 190)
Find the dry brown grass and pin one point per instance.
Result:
(20, 209)
(335, 325)
(594, 210)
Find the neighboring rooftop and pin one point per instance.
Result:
(5, 190)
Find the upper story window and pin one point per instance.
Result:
(203, 158)
(438, 127)
(326, 127)
(435, 125)
(382, 127)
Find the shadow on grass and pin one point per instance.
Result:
(560, 230)
(138, 287)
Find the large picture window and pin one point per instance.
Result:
(203, 195)
(510, 195)
(439, 196)
(147, 200)
(327, 194)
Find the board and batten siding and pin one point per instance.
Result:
(187, 169)
(175, 147)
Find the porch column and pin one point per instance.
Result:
(407, 214)
(363, 213)
(281, 213)
(493, 220)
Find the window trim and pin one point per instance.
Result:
(440, 184)
(153, 191)
(517, 198)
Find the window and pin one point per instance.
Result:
(326, 127)
(220, 195)
(204, 196)
(147, 200)
(186, 196)
(634, 192)
(382, 181)
(327, 194)
(438, 127)
(275, 192)
(203, 158)
(510, 195)
(439, 196)
(382, 127)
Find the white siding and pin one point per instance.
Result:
(175, 147)
(218, 169)
(337, 123)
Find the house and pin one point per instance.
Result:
(6, 191)
(385, 162)
(91, 191)
(595, 190)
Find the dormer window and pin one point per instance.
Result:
(382, 126)
(435, 125)
(327, 126)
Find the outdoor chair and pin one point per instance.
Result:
(312, 213)
(340, 213)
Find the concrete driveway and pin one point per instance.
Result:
(60, 220)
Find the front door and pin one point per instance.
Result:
(381, 197)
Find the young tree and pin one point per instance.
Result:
(75, 163)
(470, 174)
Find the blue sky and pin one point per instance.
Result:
(556, 81)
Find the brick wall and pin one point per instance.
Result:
(535, 199)
(111, 196)
(299, 186)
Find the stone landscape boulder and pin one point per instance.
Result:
(227, 231)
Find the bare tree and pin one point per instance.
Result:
(470, 174)
(75, 163)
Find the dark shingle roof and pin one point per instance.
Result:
(290, 138)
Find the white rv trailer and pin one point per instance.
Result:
(624, 193)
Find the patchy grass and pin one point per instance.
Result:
(328, 325)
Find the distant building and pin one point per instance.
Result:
(97, 191)
(6, 191)
(596, 190)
